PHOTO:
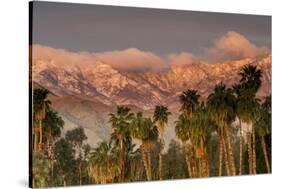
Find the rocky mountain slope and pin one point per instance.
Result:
(84, 95)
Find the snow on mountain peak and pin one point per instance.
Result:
(100, 81)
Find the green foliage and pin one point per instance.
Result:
(182, 128)
(76, 136)
(70, 161)
(263, 118)
(222, 105)
(161, 114)
(40, 170)
(250, 80)
(39, 96)
(52, 124)
(103, 163)
(64, 155)
(189, 100)
(143, 128)
(174, 165)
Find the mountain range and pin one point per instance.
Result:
(85, 94)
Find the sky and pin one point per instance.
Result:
(114, 32)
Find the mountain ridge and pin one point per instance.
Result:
(100, 82)
(84, 96)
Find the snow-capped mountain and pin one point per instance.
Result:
(84, 94)
(99, 82)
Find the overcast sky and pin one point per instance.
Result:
(92, 28)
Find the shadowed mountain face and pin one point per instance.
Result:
(84, 96)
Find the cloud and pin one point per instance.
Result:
(233, 46)
(62, 57)
(180, 59)
(132, 59)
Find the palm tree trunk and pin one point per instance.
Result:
(187, 160)
(200, 170)
(122, 161)
(41, 135)
(161, 159)
(254, 151)
(226, 156)
(149, 165)
(49, 152)
(193, 164)
(241, 150)
(35, 139)
(64, 182)
(265, 154)
(52, 169)
(80, 174)
(220, 157)
(145, 163)
(250, 152)
(204, 164)
(33, 182)
(230, 152)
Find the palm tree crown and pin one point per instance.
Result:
(189, 100)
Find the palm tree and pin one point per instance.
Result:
(221, 105)
(183, 132)
(103, 163)
(121, 134)
(52, 126)
(237, 90)
(40, 106)
(144, 130)
(250, 79)
(189, 101)
(250, 83)
(263, 127)
(135, 168)
(201, 127)
(160, 117)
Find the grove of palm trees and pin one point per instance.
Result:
(226, 134)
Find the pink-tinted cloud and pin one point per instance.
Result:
(61, 57)
(233, 46)
(180, 59)
(230, 46)
(132, 59)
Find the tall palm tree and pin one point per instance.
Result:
(144, 130)
(183, 132)
(221, 104)
(263, 127)
(189, 100)
(250, 83)
(238, 91)
(201, 128)
(40, 106)
(121, 134)
(52, 126)
(160, 117)
(135, 168)
(103, 163)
